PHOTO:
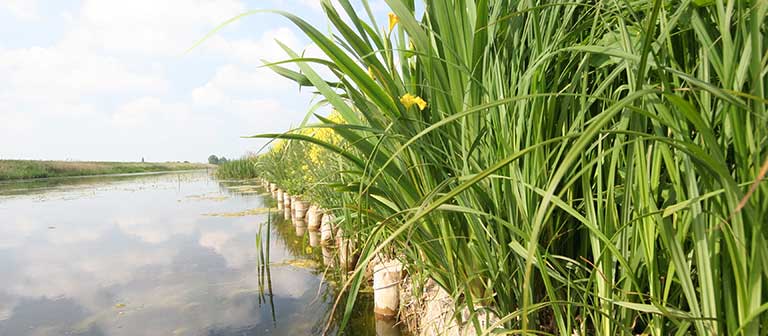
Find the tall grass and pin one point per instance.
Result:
(583, 165)
(244, 168)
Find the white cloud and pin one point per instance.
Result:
(380, 6)
(150, 109)
(231, 80)
(314, 4)
(22, 9)
(253, 51)
(119, 68)
(149, 27)
(208, 95)
(317, 4)
(313, 51)
(228, 93)
(245, 108)
(55, 73)
(214, 100)
(53, 98)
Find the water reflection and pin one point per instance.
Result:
(301, 227)
(135, 256)
(69, 184)
(314, 238)
(387, 327)
(329, 257)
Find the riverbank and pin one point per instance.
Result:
(31, 169)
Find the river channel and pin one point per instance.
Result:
(160, 254)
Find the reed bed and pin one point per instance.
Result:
(244, 168)
(575, 167)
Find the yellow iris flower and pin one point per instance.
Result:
(393, 20)
(409, 100)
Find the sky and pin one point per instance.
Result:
(113, 80)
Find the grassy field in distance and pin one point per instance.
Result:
(28, 169)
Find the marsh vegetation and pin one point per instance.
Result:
(580, 167)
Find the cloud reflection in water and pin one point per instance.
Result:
(136, 257)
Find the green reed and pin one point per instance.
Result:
(244, 168)
(584, 165)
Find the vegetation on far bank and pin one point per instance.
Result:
(29, 169)
(244, 168)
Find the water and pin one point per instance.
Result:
(162, 254)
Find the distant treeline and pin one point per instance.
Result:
(213, 159)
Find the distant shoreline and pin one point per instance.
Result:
(14, 170)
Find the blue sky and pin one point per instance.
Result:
(110, 79)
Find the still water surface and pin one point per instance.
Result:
(162, 254)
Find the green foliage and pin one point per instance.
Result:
(581, 165)
(244, 168)
(213, 159)
(302, 162)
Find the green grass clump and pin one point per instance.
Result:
(244, 168)
(590, 166)
(30, 169)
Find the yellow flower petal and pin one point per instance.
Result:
(421, 103)
(409, 100)
(393, 20)
(370, 73)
